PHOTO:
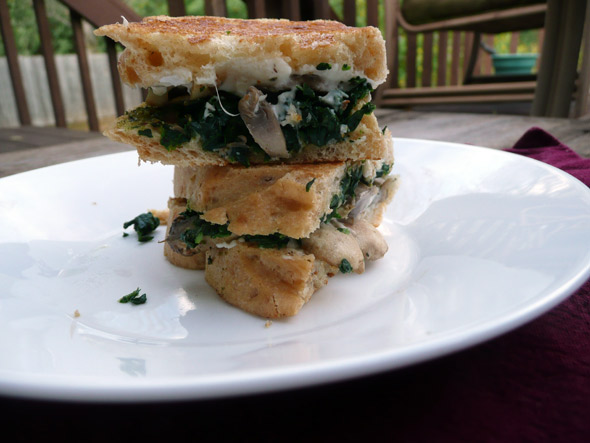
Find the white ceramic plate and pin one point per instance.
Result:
(480, 241)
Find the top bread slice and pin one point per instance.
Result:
(173, 51)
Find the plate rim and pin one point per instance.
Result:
(257, 381)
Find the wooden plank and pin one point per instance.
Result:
(349, 12)
(427, 59)
(429, 100)
(468, 42)
(485, 60)
(443, 44)
(215, 8)
(514, 37)
(291, 10)
(12, 56)
(103, 12)
(176, 8)
(392, 44)
(25, 137)
(322, 9)
(455, 58)
(50, 67)
(115, 79)
(373, 13)
(27, 159)
(482, 22)
(411, 60)
(80, 47)
(583, 83)
(470, 89)
(256, 8)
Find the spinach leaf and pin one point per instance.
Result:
(385, 169)
(201, 229)
(134, 298)
(345, 267)
(146, 132)
(143, 224)
(272, 241)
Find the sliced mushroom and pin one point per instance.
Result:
(363, 198)
(369, 239)
(262, 123)
(331, 245)
(179, 226)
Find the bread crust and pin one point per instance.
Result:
(200, 48)
(271, 283)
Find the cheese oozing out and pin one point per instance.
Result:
(236, 75)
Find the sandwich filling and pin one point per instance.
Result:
(343, 233)
(262, 125)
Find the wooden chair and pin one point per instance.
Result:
(466, 33)
(541, 91)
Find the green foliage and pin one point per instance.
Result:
(26, 35)
(24, 26)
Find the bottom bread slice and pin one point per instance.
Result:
(276, 282)
(271, 283)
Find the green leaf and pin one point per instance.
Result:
(201, 229)
(345, 67)
(308, 185)
(385, 169)
(273, 241)
(145, 132)
(323, 66)
(345, 267)
(134, 298)
(143, 224)
(172, 138)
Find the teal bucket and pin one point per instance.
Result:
(514, 64)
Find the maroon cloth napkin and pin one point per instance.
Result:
(532, 384)
(538, 144)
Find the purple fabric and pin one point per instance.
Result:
(540, 145)
(532, 384)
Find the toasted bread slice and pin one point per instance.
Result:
(166, 51)
(368, 141)
(262, 200)
(277, 282)
(271, 283)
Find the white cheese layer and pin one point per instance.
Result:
(237, 74)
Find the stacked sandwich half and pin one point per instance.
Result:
(281, 170)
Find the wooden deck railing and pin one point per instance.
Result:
(443, 66)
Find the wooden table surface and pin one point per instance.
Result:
(20, 150)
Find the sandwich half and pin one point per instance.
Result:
(269, 236)
(228, 91)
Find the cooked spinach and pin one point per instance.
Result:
(345, 267)
(134, 298)
(323, 66)
(146, 132)
(385, 169)
(200, 229)
(143, 224)
(321, 121)
(348, 184)
(216, 123)
(272, 241)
